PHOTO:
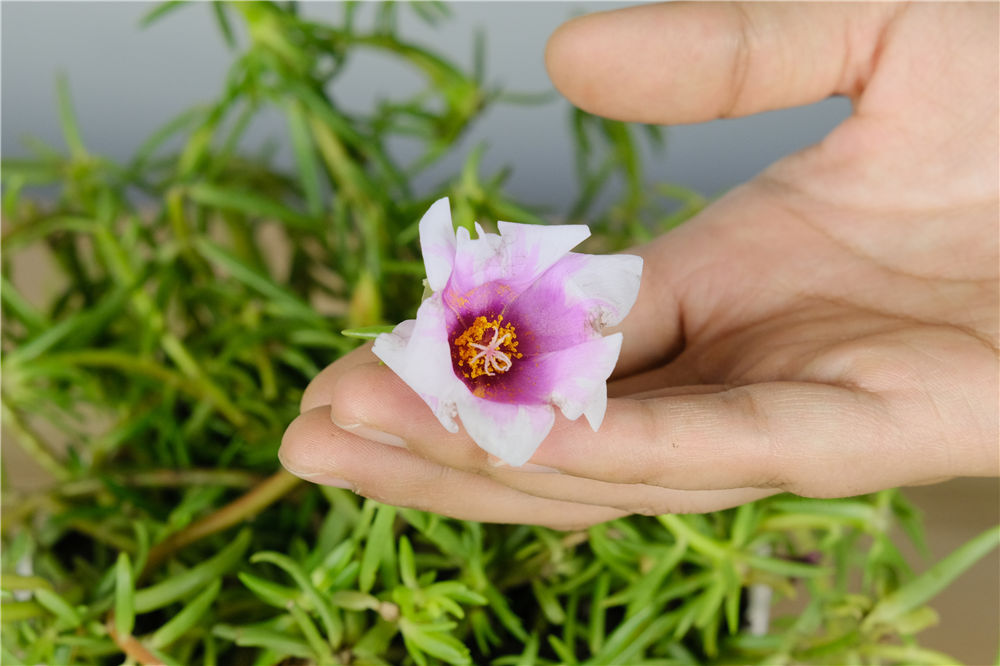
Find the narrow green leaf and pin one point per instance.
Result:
(732, 603)
(334, 562)
(267, 591)
(280, 641)
(598, 613)
(316, 600)
(11, 582)
(433, 639)
(508, 618)
(623, 634)
(321, 648)
(700, 542)
(378, 547)
(784, 567)
(180, 585)
(548, 602)
(222, 20)
(354, 600)
(187, 618)
(19, 308)
(711, 601)
(925, 586)
(67, 118)
(160, 11)
(124, 596)
(249, 203)
(656, 632)
(366, 332)
(305, 158)
(407, 568)
(173, 126)
(56, 605)
(906, 654)
(744, 523)
(255, 280)
(79, 327)
(562, 650)
(16, 611)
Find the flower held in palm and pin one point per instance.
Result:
(512, 330)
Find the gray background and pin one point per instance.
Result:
(127, 81)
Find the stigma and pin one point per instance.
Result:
(487, 347)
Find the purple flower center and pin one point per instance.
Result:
(484, 355)
(487, 347)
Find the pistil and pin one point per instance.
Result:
(480, 353)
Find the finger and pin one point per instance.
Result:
(690, 62)
(651, 333)
(369, 400)
(318, 451)
(712, 441)
(633, 498)
(812, 439)
(318, 392)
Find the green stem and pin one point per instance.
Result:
(163, 478)
(242, 508)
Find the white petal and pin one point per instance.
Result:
(418, 351)
(437, 243)
(516, 257)
(533, 248)
(510, 432)
(611, 280)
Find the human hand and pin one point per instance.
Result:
(828, 329)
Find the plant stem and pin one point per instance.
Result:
(130, 645)
(164, 478)
(254, 501)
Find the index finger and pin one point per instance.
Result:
(320, 390)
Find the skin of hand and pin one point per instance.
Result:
(827, 329)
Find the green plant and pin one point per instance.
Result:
(204, 287)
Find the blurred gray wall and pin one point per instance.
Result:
(127, 81)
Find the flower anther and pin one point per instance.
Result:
(496, 356)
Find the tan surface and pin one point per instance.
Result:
(955, 512)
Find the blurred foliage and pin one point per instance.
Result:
(203, 287)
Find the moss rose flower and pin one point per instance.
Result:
(512, 330)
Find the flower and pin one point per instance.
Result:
(511, 330)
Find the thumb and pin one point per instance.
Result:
(690, 62)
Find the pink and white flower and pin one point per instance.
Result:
(512, 330)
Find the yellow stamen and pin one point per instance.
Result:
(484, 353)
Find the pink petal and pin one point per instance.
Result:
(573, 379)
(510, 432)
(580, 377)
(575, 298)
(437, 243)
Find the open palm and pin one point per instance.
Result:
(829, 328)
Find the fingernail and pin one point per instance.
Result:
(367, 432)
(301, 473)
(531, 468)
(333, 482)
(321, 477)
